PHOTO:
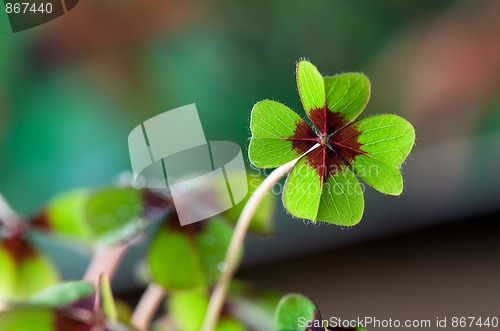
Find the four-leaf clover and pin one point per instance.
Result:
(323, 185)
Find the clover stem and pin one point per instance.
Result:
(147, 306)
(105, 261)
(220, 291)
(7, 216)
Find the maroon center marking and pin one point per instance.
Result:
(303, 137)
(335, 151)
(41, 221)
(63, 322)
(155, 204)
(326, 121)
(345, 143)
(173, 223)
(316, 318)
(18, 247)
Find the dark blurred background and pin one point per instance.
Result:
(71, 90)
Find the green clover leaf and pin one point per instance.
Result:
(20, 260)
(292, 310)
(323, 185)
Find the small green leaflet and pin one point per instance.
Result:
(63, 294)
(20, 260)
(293, 308)
(271, 123)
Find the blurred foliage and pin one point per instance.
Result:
(103, 217)
(246, 308)
(65, 307)
(63, 294)
(192, 256)
(84, 216)
(24, 270)
(27, 319)
(253, 306)
(180, 258)
(189, 256)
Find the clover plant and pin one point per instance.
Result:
(190, 268)
(323, 184)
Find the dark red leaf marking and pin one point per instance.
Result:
(333, 162)
(155, 204)
(303, 137)
(317, 317)
(41, 221)
(172, 223)
(326, 121)
(345, 143)
(70, 318)
(66, 323)
(18, 247)
(338, 141)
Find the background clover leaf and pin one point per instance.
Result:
(66, 306)
(187, 257)
(104, 217)
(291, 309)
(20, 260)
(43, 319)
(28, 319)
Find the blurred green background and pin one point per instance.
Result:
(72, 89)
